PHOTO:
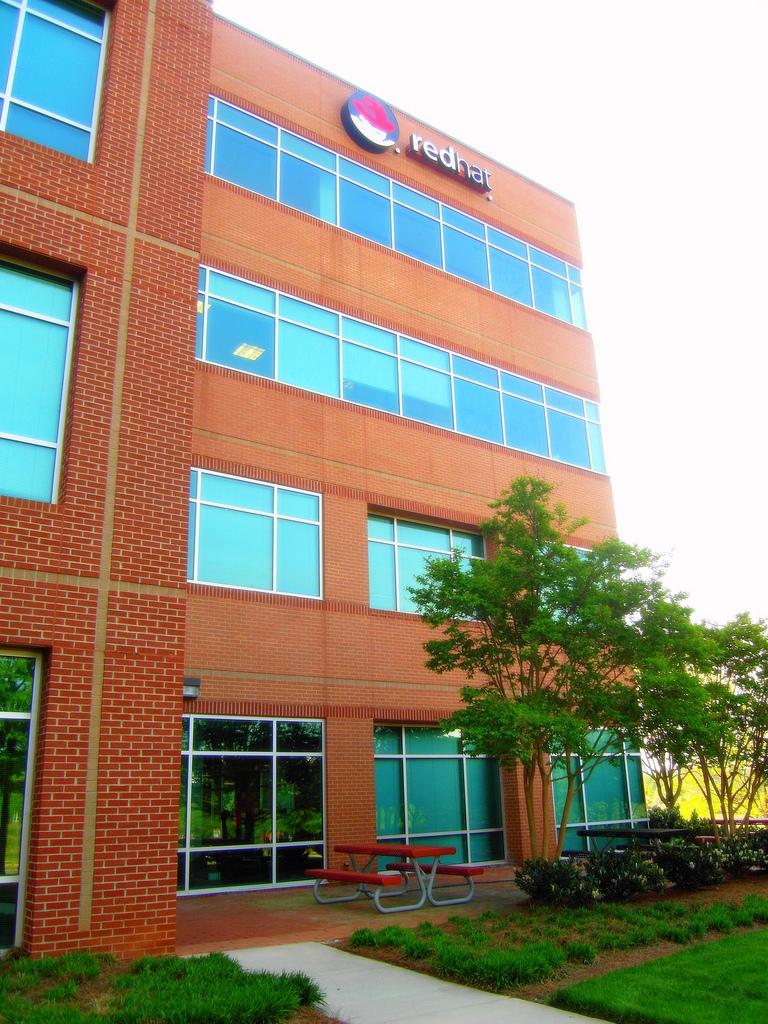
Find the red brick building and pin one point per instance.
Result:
(255, 366)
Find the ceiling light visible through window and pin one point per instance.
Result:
(249, 351)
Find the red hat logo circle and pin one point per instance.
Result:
(370, 122)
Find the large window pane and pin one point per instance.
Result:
(417, 236)
(64, 85)
(235, 548)
(14, 740)
(510, 277)
(606, 791)
(32, 361)
(56, 73)
(245, 161)
(551, 294)
(370, 378)
(16, 680)
(410, 564)
(484, 793)
(299, 799)
(636, 787)
(308, 359)
(381, 576)
(240, 338)
(298, 558)
(435, 795)
(568, 438)
(478, 411)
(231, 801)
(308, 188)
(427, 395)
(387, 739)
(525, 425)
(365, 213)
(423, 535)
(465, 257)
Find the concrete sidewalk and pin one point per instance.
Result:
(362, 991)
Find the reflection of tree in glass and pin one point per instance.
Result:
(299, 799)
(297, 737)
(16, 677)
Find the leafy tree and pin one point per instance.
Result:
(548, 636)
(731, 749)
(671, 709)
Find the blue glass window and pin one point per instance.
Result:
(35, 341)
(427, 395)
(384, 211)
(510, 277)
(245, 161)
(525, 425)
(417, 236)
(596, 447)
(428, 791)
(319, 350)
(398, 550)
(308, 359)
(370, 378)
(365, 213)
(478, 411)
(551, 294)
(308, 188)
(568, 439)
(466, 257)
(253, 535)
(51, 95)
(240, 338)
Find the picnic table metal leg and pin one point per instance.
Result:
(420, 879)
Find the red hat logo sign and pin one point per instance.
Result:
(371, 123)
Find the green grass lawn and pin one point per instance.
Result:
(503, 952)
(723, 982)
(84, 988)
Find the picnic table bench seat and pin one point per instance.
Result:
(367, 883)
(466, 871)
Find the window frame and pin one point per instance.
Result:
(6, 93)
(187, 849)
(447, 217)
(197, 501)
(396, 545)
(404, 756)
(33, 717)
(58, 446)
(445, 362)
(630, 821)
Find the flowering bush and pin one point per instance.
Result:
(554, 881)
(620, 875)
(690, 866)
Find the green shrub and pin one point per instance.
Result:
(690, 866)
(666, 817)
(362, 937)
(739, 855)
(622, 875)
(554, 881)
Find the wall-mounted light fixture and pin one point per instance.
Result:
(191, 687)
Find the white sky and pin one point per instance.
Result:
(652, 118)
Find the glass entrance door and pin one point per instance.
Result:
(19, 674)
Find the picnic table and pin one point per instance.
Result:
(635, 835)
(410, 861)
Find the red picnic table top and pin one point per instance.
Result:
(410, 851)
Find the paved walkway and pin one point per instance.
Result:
(362, 991)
